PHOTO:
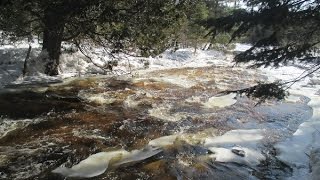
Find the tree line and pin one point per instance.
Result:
(281, 31)
(146, 26)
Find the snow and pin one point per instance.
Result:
(97, 164)
(296, 150)
(251, 157)
(303, 141)
(76, 64)
(138, 155)
(244, 140)
(239, 47)
(299, 146)
(93, 166)
(238, 137)
(221, 101)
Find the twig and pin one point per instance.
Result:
(91, 60)
(299, 78)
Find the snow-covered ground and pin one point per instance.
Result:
(75, 64)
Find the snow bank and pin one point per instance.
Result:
(138, 155)
(250, 157)
(76, 64)
(92, 166)
(97, 164)
(296, 150)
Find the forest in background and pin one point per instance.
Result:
(280, 31)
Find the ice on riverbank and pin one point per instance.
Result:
(224, 147)
(97, 164)
(296, 150)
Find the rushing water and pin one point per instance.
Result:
(165, 124)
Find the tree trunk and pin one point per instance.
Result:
(52, 39)
(25, 64)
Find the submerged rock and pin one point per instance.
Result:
(239, 152)
(315, 164)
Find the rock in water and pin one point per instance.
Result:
(239, 152)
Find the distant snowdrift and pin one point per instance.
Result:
(74, 63)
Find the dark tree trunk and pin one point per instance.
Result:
(25, 64)
(52, 39)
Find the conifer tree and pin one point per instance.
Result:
(293, 36)
(144, 24)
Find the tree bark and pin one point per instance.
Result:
(25, 64)
(52, 39)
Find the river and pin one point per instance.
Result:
(157, 124)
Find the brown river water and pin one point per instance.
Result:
(46, 126)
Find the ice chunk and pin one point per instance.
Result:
(251, 156)
(163, 141)
(241, 140)
(93, 166)
(139, 155)
(236, 137)
(221, 101)
(97, 164)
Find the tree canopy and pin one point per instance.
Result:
(293, 36)
(142, 24)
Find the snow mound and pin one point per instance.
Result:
(239, 47)
(244, 141)
(250, 156)
(97, 164)
(92, 166)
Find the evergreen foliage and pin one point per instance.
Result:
(189, 32)
(144, 25)
(293, 34)
(287, 40)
